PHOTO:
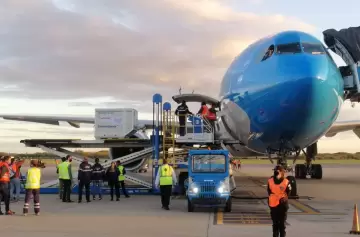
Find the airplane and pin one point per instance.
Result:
(278, 97)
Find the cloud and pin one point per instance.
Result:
(125, 50)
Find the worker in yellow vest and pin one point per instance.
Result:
(166, 177)
(65, 175)
(32, 188)
(121, 178)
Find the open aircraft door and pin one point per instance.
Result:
(346, 44)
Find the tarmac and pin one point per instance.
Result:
(324, 209)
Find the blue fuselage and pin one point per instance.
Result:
(291, 97)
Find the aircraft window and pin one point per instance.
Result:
(288, 48)
(313, 48)
(268, 53)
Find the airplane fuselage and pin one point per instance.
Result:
(290, 97)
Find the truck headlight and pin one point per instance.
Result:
(224, 187)
(221, 189)
(195, 189)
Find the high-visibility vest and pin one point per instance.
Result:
(33, 178)
(64, 170)
(205, 110)
(165, 175)
(6, 177)
(121, 170)
(278, 191)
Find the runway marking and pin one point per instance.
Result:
(219, 218)
(304, 207)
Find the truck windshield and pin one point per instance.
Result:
(208, 163)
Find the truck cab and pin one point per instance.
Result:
(208, 183)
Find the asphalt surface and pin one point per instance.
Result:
(326, 209)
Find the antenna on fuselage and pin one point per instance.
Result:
(192, 92)
(180, 91)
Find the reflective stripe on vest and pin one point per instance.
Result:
(6, 177)
(64, 170)
(121, 170)
(33, 178)
(166, 175)
(278, 191)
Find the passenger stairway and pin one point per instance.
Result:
(345, 43)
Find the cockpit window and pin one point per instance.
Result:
(288, 48)
(313, 48)
(268, 53)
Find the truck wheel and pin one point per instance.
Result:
(228, 205)
(190, 206)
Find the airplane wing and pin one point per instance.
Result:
(55, 120)
(343, 126)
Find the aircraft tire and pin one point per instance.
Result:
(293, 184)
(297, 171)
(301, 171)
(317, 171)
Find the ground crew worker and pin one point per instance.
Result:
(278, 189)
(112, 176)
(122, 174)
(15, 183)
(204, 110)
(32, 187)
(61, 185)
(84, 178)
(4, 185)
(65, 175)
(211, 116)
(182, 111)
(97, 177)
(166, 177)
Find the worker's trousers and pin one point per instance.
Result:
(15, 188)
(97, 188)
(66, 190)
(35, 193)
(182, 124)
(83, 184)
(5, 195)
(61, 188)
(165, 191)
(122, 183)
(278, 216)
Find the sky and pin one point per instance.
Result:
(67, 57)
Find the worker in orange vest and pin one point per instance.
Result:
(4, 184)
(15, 182)
(279, 189)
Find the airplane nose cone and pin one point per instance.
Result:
(308, 103)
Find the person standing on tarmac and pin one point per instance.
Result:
(32, 187)
(122, 172)
(98, 175)
(4, 185)
(61, 185)
(112, 176)
(15, 184)
(279, 189)
(182, 111)
(65, 174)
(84, 178)
(166, 177)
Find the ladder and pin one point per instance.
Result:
(169, 131)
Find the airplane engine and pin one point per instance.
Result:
(123, 151)
(133, 166)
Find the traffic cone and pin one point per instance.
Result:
(355, 227)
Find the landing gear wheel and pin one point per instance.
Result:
(190, 206)
(292, 181)
(300, 171)
(316, 171)
(228, 205)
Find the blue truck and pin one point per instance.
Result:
(208, 183)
